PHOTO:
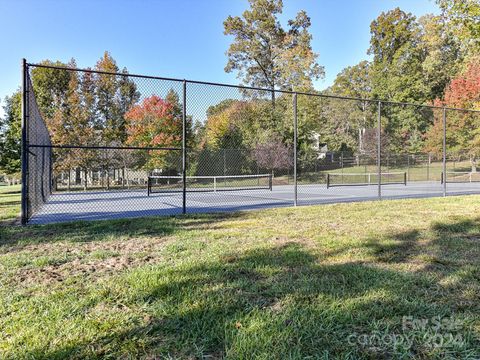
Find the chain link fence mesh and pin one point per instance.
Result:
(110, 145)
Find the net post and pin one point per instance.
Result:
(270, 182)
(405, 178)
(328, 180)
(379, 150)
(149, 182)
(51, 178)
(184, 149)
(428, 166)
(444, 157)
(24, 205)
(295, 136)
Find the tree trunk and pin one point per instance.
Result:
(85, 180)
(126, 178)
(473, 162)
(272, 111)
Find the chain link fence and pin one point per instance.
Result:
(99, 145)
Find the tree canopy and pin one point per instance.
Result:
(265, 54)
(433, 59)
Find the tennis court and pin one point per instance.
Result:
(95, 205)
(218, 147)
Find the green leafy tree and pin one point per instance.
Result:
(10, 136)
(397, 75)
(463, 18)
(115, 95)
(356, 81)
(397, 57)
(265, 54)
(443, 54)
(51, 86)
(297, 62)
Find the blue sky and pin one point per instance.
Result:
(173, 38)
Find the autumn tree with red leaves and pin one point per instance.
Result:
(156, 122)
(463, 127)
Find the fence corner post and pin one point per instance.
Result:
(184, 149)
(379, 150)
(295, 140)
(24, 145)
(444, 155)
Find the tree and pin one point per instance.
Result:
(10, 136)
(371, 144)
(397, 75)
(443, 55)
(397, 57)
(464, 92)
(273, 154)
(114, 96)
(156, 122)
(222, 129)
(51, 86)
(108, 120)
(71, 125)
(464, 19)
(297, 61)
(463, 127)
(356, 81)
(340, 123)
(266, 55)
(235, 127)
(84, 109)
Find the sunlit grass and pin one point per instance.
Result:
(9, 202)
(279, 283)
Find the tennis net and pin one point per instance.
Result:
(363, 179)
(162, 184)
(461, 177)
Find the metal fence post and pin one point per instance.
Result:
(295, 136)
(24, 206)
(379, 150)
(184, 149)
(444, 160)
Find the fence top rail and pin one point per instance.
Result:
(340, 174)
(102, 147)
(211, 177)
(331, 96)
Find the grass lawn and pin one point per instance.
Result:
(331, 281)
(9, 202)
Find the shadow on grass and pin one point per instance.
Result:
(87, 231)
(279, 302)
(448, 252)
(455, 240)
(10, 192)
